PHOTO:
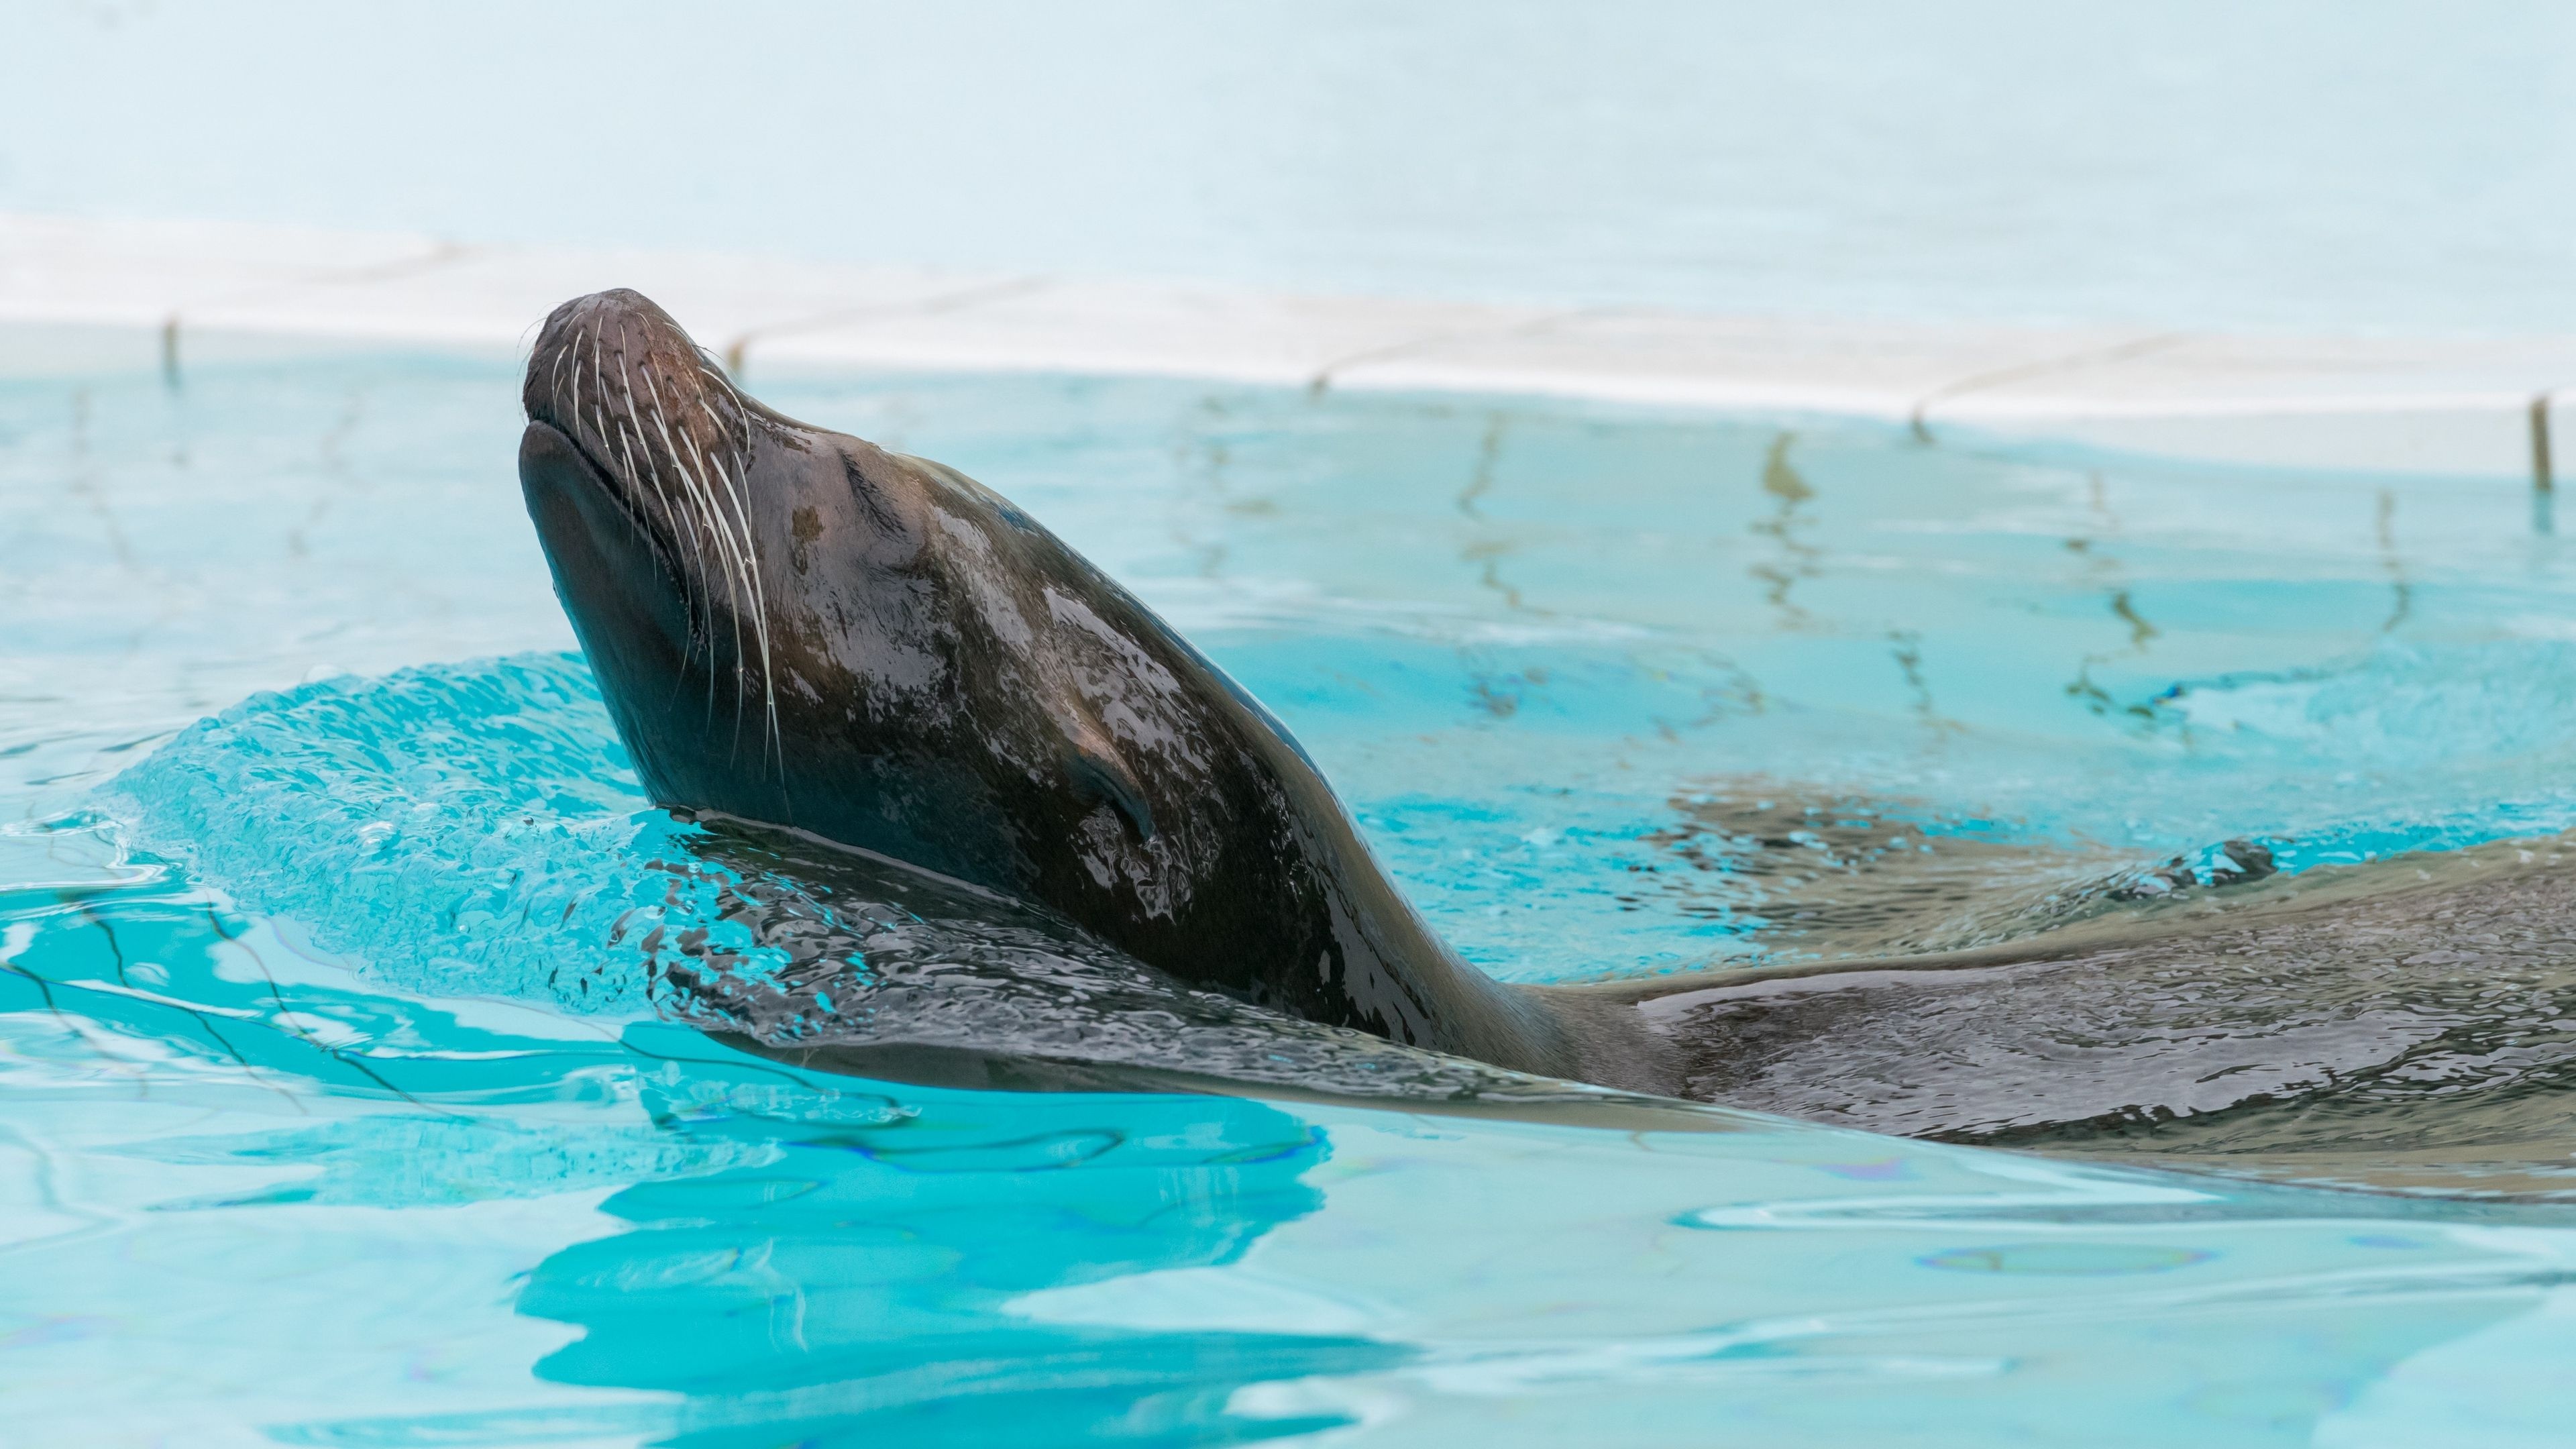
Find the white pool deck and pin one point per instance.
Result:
(82, 295)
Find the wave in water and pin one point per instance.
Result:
(476, 830)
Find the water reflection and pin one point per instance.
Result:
(1905, 646)
(1787, 527)
(1489, 547)
(2401, 589)
(807, 1257)
(855, 1286)
(2104, 571)
(1480, 478)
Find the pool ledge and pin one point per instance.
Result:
(80, 295)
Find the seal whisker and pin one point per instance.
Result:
(738, 484)
(737, 564)
(629, 427)
(599, 424)
(737, 487)
(701, 611)
(635, 482)
(747, 557)
(598, 374)
(696, 601)
(670, 518)
(609, 434)
(704, 521)
(573, 410)
(734, 491)
(702, 622)
(768, 671)
(706, 503)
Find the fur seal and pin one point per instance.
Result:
(793, 627)
(798, 628)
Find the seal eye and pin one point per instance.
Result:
(1106, 777)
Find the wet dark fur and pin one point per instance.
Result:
(796, 627)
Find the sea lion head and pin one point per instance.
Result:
(795, 626)
(798, 627)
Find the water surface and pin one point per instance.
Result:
(340, 1111)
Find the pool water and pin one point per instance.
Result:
(345, 1102)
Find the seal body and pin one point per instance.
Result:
(796, 627)
(793, 627)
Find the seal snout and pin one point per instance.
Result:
(652, 414)
(624, 409)
(618, 334)
(665, 436)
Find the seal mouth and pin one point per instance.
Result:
(669, 440)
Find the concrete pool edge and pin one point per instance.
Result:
(80, 295)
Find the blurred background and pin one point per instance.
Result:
(2313, 166)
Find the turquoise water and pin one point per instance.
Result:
(341, 1107)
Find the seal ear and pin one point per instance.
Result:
(1100, 773)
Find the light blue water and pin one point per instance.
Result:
(2316, 165)
(334, 1109)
